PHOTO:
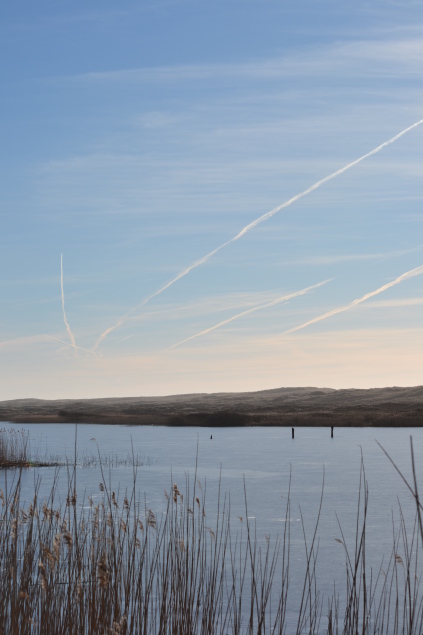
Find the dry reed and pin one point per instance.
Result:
(119, 568)
(13, 448)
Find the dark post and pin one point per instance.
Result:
(331, 432)
(293, 432)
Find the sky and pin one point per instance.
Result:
(141, 142)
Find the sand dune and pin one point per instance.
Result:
(279, 407)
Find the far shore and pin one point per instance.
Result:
(289, 407)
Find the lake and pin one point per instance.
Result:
(262, 460)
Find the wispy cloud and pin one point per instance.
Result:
(333, 259)
(387, 56)
(395, 304)
(261, 307)
(23, 342)
(68, 328)
(405, 276)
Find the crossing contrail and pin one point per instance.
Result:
(78, 348)
(405, 276)
(252, 225)
(283, 298)
(68, 328)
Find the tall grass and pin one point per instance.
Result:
(117, 568)
(13, 447)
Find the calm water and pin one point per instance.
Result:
(262, 458)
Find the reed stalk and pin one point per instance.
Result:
(120, 568)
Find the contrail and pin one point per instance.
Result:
(283, 298)
(78, 348)
(68, 328)
(118, 324)
(254, 224)
(405, 276)
(128, 337)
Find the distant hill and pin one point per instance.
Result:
(279, 407)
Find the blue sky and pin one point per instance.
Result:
(139, 137)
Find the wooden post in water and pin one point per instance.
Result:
(331, 432)
(292, 432)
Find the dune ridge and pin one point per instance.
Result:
(393, 406)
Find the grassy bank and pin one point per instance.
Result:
(115, 567)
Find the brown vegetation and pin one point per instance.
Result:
(13, 448)
(118, 568)
(381, 407)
